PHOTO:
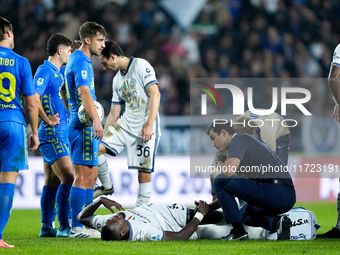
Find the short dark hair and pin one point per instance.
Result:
(219, 127)
(91, 29)
(75, 45)
(5, 25)
(112, 47)
(55, 41)
(107, 234)
(246, 128)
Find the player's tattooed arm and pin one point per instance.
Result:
(53, 120)
(191, 227)
(86, 215)
(64, 96)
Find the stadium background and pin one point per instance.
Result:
(196, 39)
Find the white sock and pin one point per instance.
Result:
(144, 194)
(103, 172)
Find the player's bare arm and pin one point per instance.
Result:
(84, 93)
(113, 115)
(63, 94)
(191, 227)
(334, 85)
(33, 112)
(54, 120)
(86, 215)
(155, 98)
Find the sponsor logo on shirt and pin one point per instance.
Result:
(84, 74)
(156, 237)
(40, 81)
(147, 70)
(148, 75)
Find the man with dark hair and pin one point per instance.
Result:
(15, 82)
(138, 129)
(249, 174)
(54, 144)
(84, 140)
(152, 222)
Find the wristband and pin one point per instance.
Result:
(199, 216)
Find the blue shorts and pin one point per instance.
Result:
(53, 150)
(13, 147)
(84, 148)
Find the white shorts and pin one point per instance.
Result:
(140, 155)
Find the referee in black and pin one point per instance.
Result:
(255, 174)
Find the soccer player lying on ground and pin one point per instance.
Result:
(148, 222)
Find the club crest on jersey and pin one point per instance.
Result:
(133, 82)
(40, 81)
(84, 74)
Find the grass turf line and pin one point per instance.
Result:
(24, 225)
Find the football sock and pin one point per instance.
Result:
(6, 201)
(77, 202)
(89, 197)
(47, 205)
(238, 228)
(103, 172)
(144, 194)
(63, 205)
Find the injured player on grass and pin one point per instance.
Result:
(161, 222)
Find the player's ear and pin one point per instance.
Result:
(87, 40)
(60, 50)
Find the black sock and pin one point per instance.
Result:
(275, 221)
(238, 228)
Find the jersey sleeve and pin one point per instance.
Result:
(115, 96)
(98, 221)
(336, 56)
(237, 148)
(41, 80)
(148, 74)
(27, 88)
(149, 233)
(82, 75)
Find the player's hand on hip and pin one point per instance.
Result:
(55, 120)
(336, 113)
(33, 142)
(97, 129)
(147, 133)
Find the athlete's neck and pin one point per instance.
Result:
(123, 63)
(85, 49)
(55, 60)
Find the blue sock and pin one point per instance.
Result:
(89, 196)
(47, 205)
(63, 205)
(77, 202)
(6, 201)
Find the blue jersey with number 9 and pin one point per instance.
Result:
(15, 81)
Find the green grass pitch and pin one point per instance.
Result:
(23, 228)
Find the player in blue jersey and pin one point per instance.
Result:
(84, 140)
(53, 137)
(15, 83)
